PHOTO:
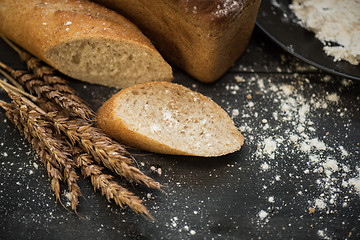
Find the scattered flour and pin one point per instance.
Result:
(333, 21)
(36, 166)
(331, 165)
(320, 204)
(265, 166)
(156, 170)
(355, 182)
(269, 147)
(68, 198)
(294, 139)
(332, 97)
(263, 214)
(239, 79)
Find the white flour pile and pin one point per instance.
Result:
(333, 21)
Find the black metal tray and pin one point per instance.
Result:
(277, 21)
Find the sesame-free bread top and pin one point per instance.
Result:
(83, 40)
(213, 15)
(204, 38)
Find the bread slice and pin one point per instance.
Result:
(168, 118)
(204, 38)
(83, 40)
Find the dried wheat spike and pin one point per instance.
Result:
(54, 174)
(104, 150)
(56, 149)
(108, 187)
(40, 69)
(39, 128)
(47, 74)
(35, 85)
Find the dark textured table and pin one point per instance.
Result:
(296, 177)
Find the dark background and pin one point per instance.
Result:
(209, 198)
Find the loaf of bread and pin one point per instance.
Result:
(168, 118)
(83, 40)
(204, 38)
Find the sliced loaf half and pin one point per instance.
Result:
(83, 40)
(168, 118)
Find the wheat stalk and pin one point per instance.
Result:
(104, 150)
(93, 141)
(58, 115)
(109, 188)
(35, 85)
(43, 140)
(39, 69)
(41, 129)
(113, 155)
(54, 174)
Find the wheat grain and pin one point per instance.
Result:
(54, 174)
(40, 69)
(37, 127)
(35, 85)
(104, 150)
(109, 188)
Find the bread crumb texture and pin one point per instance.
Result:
(169, 118)
(109, 63)
(84, 41)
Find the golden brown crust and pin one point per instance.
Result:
(197, 36)
(112, 125)
(107, 118)
(214, 15)
(39, 25)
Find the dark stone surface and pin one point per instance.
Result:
(213, 198)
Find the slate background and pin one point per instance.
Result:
(217, 198)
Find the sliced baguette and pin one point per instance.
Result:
(83, 40)
(168, 118)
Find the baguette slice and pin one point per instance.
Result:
(168, 118)
(83, 40)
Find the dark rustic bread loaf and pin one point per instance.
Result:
(83, 40)
(204, 38)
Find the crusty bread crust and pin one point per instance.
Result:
(204, 38)
(44, 27)
(111, 119)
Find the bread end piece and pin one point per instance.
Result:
(168, 118)
(204, 38)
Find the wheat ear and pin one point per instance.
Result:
(39, 69)
(41, 129)
(35, 85)
(54, 174)
(109, 188)
(93, 141)
(104, 150)
(100, 181)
